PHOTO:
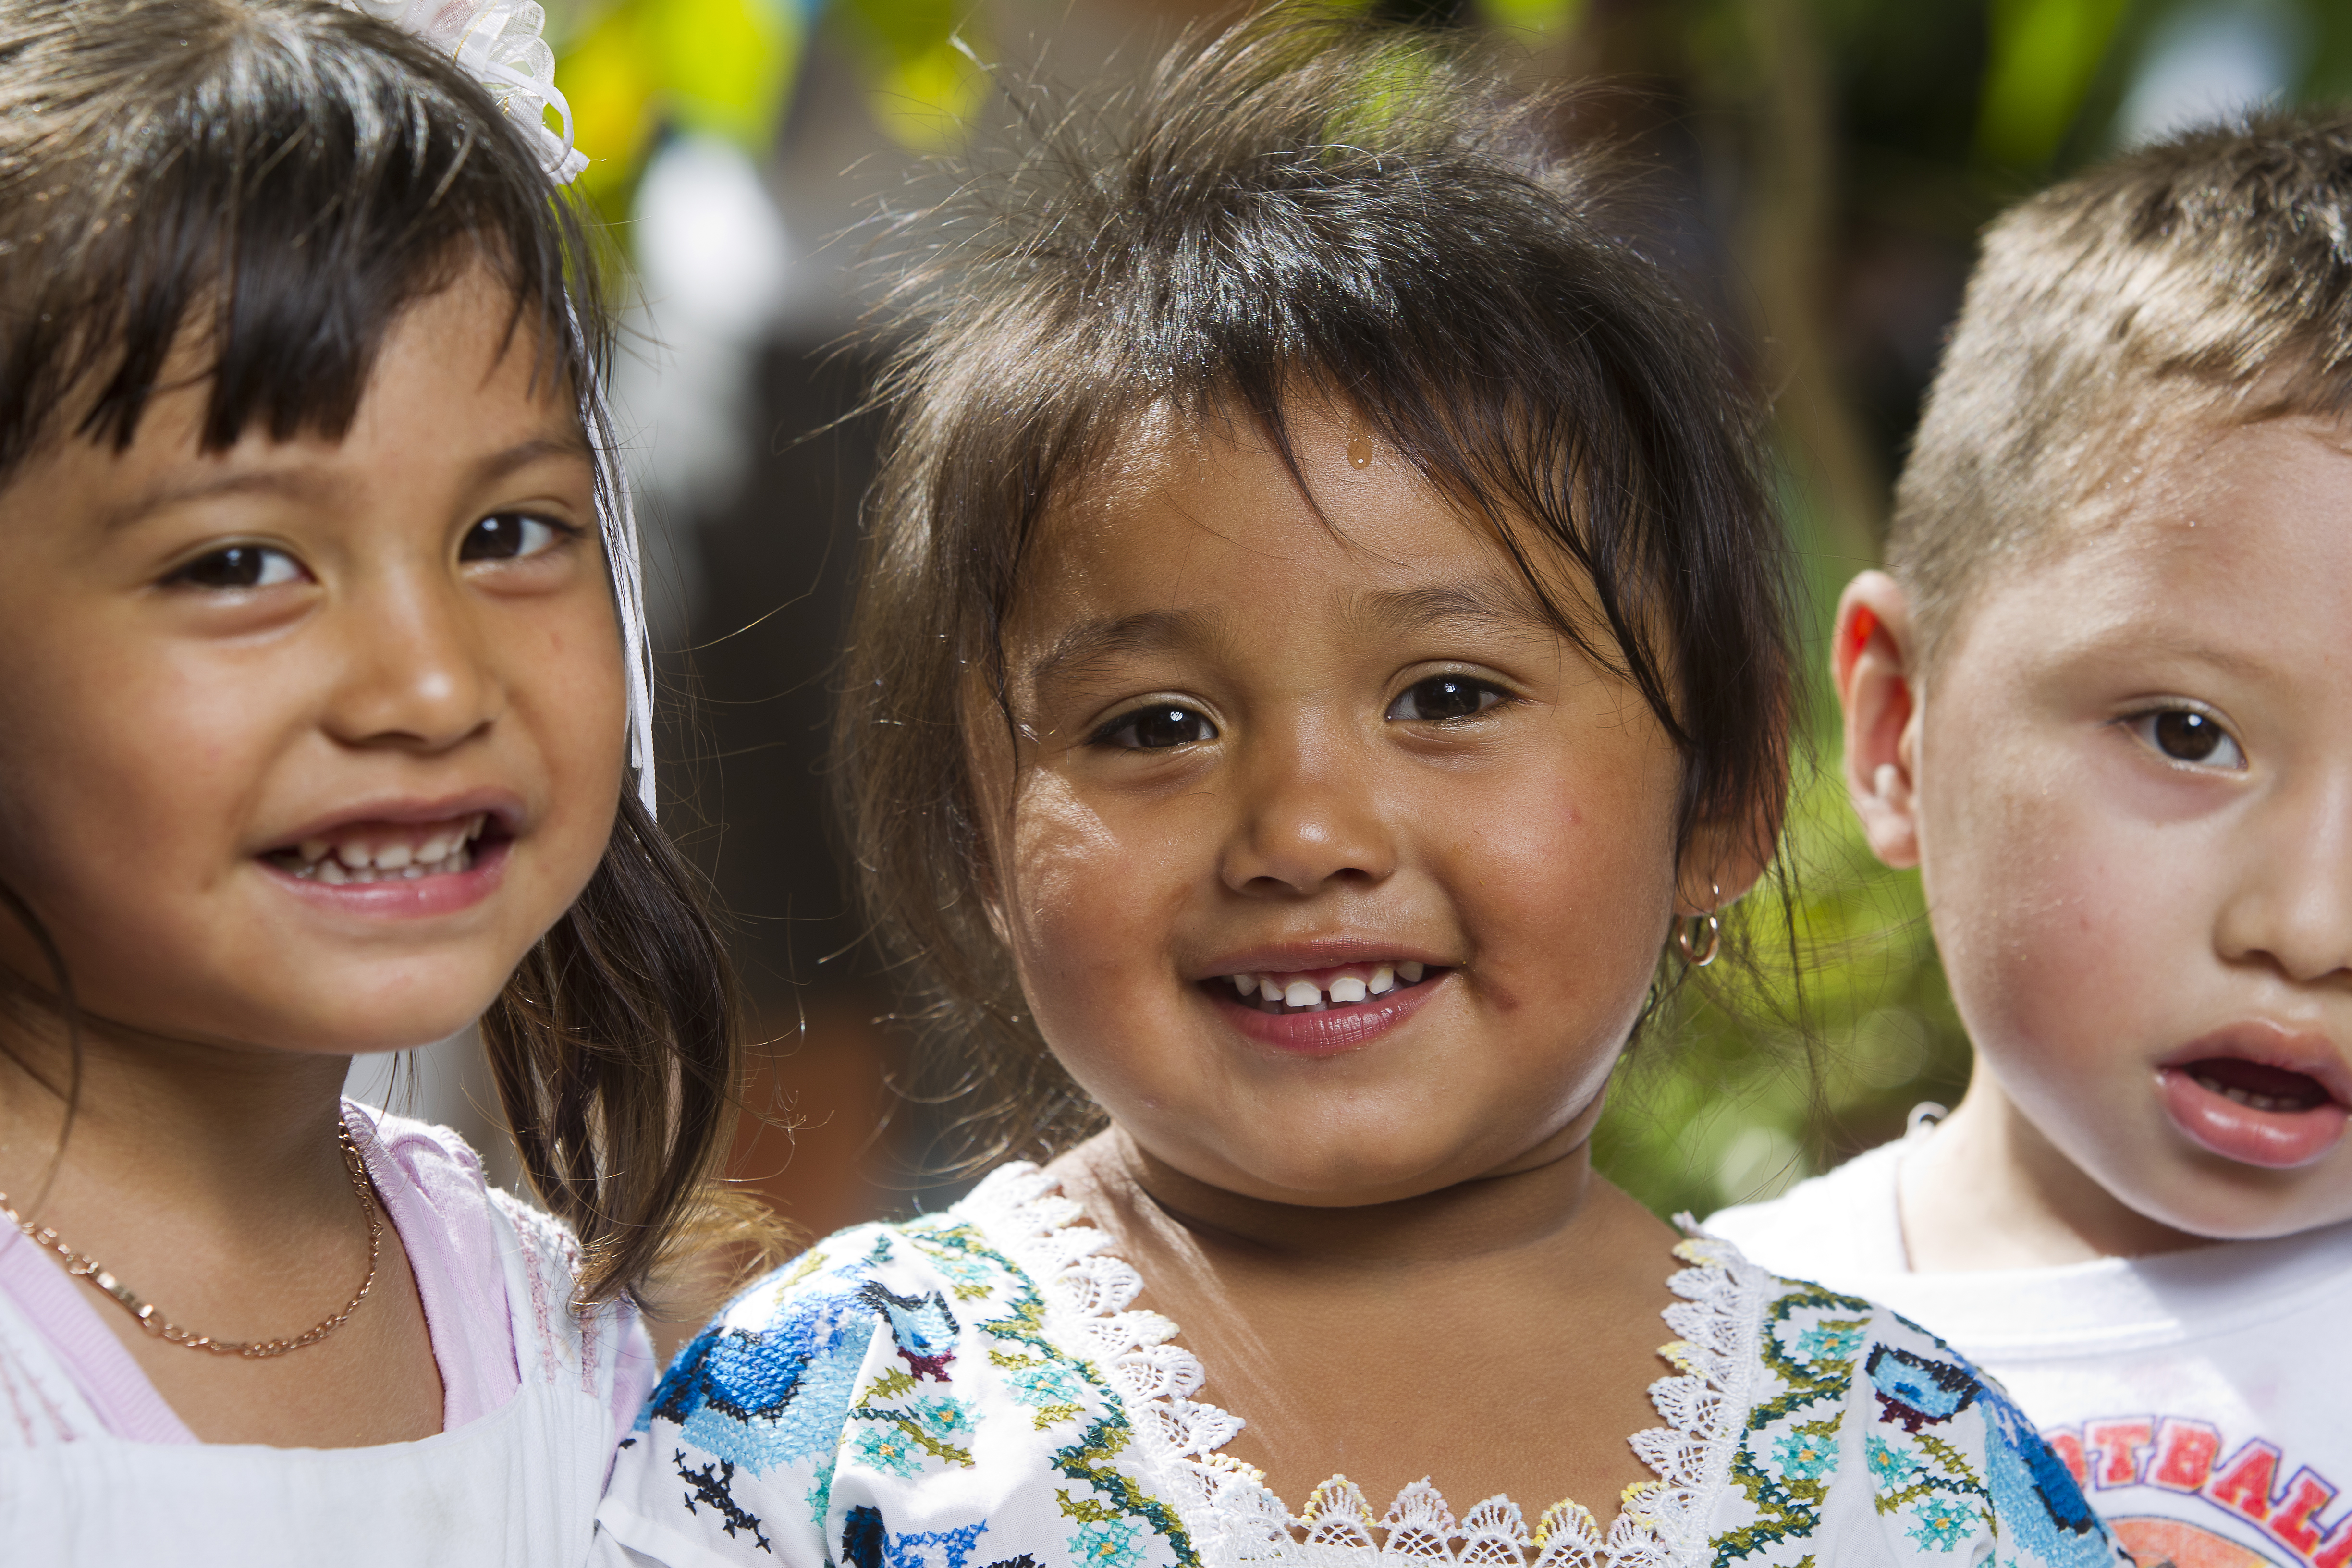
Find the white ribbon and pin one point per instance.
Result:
(498, 43)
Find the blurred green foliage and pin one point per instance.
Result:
(1742, 1087)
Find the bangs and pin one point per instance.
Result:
(268, 185)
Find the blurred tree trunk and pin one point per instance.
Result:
(1783, 244)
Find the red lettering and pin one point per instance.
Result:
(2306, 1495)
(2244, 1486)
(2185, 1451)
(2122, 1442)
(2336, 1550)
(2069, 1447)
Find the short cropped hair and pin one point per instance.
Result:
(2208, 275)
(1312, 206)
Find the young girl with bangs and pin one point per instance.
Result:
(324, 729)
(1321, 665)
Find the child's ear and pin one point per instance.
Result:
(1720, 861)
(1875, 662)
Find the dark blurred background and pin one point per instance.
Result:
(1820, 168)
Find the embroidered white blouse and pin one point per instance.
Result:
(972, 1390)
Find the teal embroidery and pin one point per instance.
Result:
(946, 1418)
(1088, 1459)
(1789, 1498)
(1044, 1384)
(888, 1449)
(1941, 1522)
(1890, 1464)
(1807, 1454)
(1106, 1543)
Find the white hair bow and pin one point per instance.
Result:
(499, 43)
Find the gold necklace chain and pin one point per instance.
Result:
(84, 1267)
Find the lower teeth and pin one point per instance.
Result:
(2247, 1096)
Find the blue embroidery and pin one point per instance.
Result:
(763, 1399)
(2034, 1494)
(867, 1543)
(1920, 1390)
(922, 1325)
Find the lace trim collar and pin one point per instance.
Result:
(1234, 1518)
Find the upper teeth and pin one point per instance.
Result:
(1302, 991)
(383, 856)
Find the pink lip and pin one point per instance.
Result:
(1347, 1028)
(2274, 1140)
(499, 803)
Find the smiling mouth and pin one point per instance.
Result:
(387, 852)
(1319, 991)
(2257, 1086)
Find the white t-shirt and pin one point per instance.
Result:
(95, 1468)
(2203, 1399)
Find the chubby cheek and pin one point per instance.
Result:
(120, 785)
(1087, 907)
(1567, 890)
(2053, 923)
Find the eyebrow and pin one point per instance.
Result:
(2126, 640)
(1504, 604)
(301, 479)
(1092, 642)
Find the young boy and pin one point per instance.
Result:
(2103, 699)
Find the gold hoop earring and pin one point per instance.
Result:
(1701, 936)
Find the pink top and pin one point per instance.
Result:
(433, 1191)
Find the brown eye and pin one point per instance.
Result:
(509, 536)
(239, 566)
(2185, 735)
(1444, 697)
(1157, 728)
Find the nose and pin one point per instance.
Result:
(1309, 818)
(416, 673)
(2290, 906)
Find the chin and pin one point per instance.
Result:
(405, 1021)
(2245, 1204)
(1368, 1171)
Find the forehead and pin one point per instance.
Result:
(2226, 539)
(1185, 513)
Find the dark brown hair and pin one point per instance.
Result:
(2206, 276)
(278, 180)
(1312, 203)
